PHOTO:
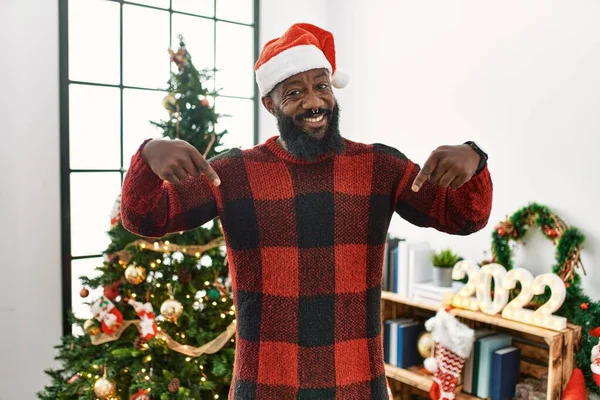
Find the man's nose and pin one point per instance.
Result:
(312, 101)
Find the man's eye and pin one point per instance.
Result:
(294, 93)
(322, 86)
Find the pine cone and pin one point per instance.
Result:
(185, 276)
(138, 342)
(174, 385)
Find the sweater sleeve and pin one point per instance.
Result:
(151, 207)
(461, 211)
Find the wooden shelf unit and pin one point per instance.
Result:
(542, 350)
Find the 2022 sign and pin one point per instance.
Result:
(476, 294)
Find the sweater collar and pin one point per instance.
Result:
(282, 153)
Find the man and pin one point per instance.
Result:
(305, 217)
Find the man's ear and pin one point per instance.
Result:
(269, 104)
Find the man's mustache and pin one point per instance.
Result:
(313, 113)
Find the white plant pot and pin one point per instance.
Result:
(442, 277)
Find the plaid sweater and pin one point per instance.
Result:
(305, 242)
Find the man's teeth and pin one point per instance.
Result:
(317, 119)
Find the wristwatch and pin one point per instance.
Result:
(483, 157)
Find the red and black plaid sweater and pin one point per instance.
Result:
(305, 243)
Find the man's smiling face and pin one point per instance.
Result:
(307, 113)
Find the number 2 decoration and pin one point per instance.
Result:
(479, 283)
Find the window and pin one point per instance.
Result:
(114, 72)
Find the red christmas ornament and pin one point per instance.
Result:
(595, 332)
(112, 291)
(84, 292)
(585, 306)
(501, 231)
(204, 103)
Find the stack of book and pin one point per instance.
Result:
(427, 292)
(406, 262)
(400, 338)
(408, 271)
(492, 370)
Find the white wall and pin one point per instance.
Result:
(275, 18)
(519, 77)
(30, 297)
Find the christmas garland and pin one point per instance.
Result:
(208, 348)
(577, 307)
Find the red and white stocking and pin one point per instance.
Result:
(453, 344)
(449, 365)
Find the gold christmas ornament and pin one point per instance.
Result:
(91, 327)
(171, 309)
(169, 102)
(424, 344)
(104, 388)
(135, 274)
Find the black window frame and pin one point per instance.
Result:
(65, 168)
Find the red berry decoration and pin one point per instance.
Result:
(585, 306)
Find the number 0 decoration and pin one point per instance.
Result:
(479, 281)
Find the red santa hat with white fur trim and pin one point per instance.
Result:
(301, 48)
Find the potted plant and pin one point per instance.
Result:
(443, 262)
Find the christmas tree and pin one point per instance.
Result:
(163, 326)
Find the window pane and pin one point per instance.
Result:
(240, 125)
(199, 36)
(236, 10)
(155, 3)
(92, 197)
(139, 108)
(86, 268)
(145, 44)
(200, 7)
(235, 59)
(94, 41)
(94, 126)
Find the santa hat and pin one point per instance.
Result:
(301, 48)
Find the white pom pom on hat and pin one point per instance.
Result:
(340, 79)
(301, 48)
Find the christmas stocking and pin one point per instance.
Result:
(105, 312)
(453, 344)
(147, 318)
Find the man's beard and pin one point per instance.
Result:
(304, 146)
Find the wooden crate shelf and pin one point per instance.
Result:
(543, 350)
(418, 380)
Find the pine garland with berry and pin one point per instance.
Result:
(578, 308)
